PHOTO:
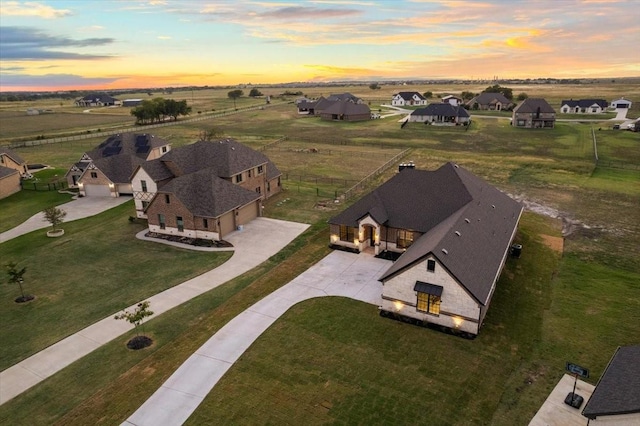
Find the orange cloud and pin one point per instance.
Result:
(32, 9)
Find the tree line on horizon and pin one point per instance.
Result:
(158, 109)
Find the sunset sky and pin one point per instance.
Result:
(109, 44)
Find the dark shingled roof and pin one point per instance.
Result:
(6, 171)
(98, 97)
(118, 168)
(531, 105)
(347, 108)
(618, 390)
(138, 144)
(442, 204)
(226, 156)
(585, 103)
(442, 109)
(407, 96)
(156, 169)
(204, 194)
(10, 153)
(348, 97)
(486, 98)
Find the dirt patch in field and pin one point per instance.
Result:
(554, 243)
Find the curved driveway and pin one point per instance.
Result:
(259, 240)
(338, 274)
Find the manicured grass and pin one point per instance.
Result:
(20, 206)
(547, 309)
(93, 391)
(95, 270)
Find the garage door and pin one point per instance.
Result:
(97, 191)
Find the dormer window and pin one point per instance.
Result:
(239, 178)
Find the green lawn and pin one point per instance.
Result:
(95, 270)
(317, 364)
(20, 206)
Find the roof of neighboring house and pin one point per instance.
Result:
(585, 103)
(344, 97)
(98, 97)
(305, 104)
(442, 109)
(618, 390)
(11, 154)
(347, 108)
(451, 97)
(622, 100)
(407, 96)
(531, 105)
(488, 98)
(205, 194)
(138, 144)
(456, 211)
(6, 171)
(118, 168)
(226, 156)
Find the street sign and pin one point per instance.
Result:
(577, 370)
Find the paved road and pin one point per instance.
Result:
(259, 240)
(338, 274)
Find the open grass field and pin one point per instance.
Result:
(335, 360)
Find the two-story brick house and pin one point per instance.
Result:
(534, 113)
(204, 190)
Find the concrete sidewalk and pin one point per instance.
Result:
(554, 412)
(338, 274)
(260, 239)
(76, 209)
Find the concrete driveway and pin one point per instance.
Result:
(259, 240)
(338, 274)
(76, 209)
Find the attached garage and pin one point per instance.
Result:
(96, 190)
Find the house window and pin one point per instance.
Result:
(278, 181)
(163, 225)
(94, 175)
(429, 303)
(405, 238)
(2, 159)
(205, 223)
(521, 123)
(259, 190)
(431, 265)
(268, 186)
(239, 178)
(180, 223)
(144, 185)
(249, 173)
(164, 149)
(167, 200)
(347, 233)
(260, 170)
(145, 204)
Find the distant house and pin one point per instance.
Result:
(616, 397)
(408, 98)
(451, 99)
(583, 106)
(204, 190)
(11, 160)
(97, 100)
(306, 107)
(106, 170)
(345, 111)
(9, 181)
(347, 97)
(452, 232)
(621, 103)
(131, 102)
(443, 113)
(534, 113)
(488, 101)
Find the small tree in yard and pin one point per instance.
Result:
(54, 216)
(136, 318)
(15, 277)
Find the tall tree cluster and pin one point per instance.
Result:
(158, 109)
